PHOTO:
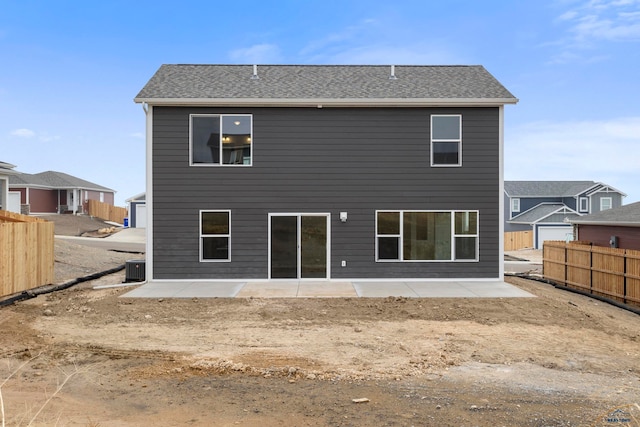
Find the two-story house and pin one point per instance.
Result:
(547, 207)
(324, 172)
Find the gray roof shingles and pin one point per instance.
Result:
(52, 179)
(338, 82)
(621, 216)
(546, 188)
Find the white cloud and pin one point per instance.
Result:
(139, 135)
(264, 53)
(605, 150)
(23, 133)
(372, 42)
(592, 24)
(28, 133)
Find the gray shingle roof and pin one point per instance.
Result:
(371, 83)
(627, 215)
(6, 168)
(52, 179)
(28, 180)
(547, 188)
(63, 180)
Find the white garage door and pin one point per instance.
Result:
(14, 202)
(141, 216)
(554, 233)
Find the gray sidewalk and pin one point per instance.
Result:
(327, 289)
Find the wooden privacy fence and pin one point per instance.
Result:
(514, 240)
(26, 253)
(106, 211)
(608, 272)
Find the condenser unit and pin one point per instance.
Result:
(134, 271)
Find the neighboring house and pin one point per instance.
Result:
(324, 172)
(618, 227)
(137, 207)
(57, 192)
(9, 201)
(546, 207)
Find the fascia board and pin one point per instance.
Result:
(603, 190)
(327, 102)
(608, 223)
(46, 187)
(565, 208)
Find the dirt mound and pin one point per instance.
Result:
(75, 225)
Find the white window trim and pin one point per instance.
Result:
(602, 199)
(459, 141)
(584, 208)
(201, 236)
(515, 204)
(453, 237)
(220, 116)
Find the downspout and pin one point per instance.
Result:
(501, 193)
(148, 111)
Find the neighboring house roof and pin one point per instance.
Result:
(7, 168)
(323, 85)
(545, 211)
(547, 188)
(63, 180)
(137, 198)
(624, 216)
(27, 180)
(52, 179)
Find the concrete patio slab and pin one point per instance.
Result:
(383, 290)
(274, 289)
(327, 289)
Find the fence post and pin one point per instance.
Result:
(624, 279)
(591, 269)
(566, 267)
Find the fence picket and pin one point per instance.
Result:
(608, 272)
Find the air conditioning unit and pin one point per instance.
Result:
(134, 271)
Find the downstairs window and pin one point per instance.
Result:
(426, 236)
(215, 235)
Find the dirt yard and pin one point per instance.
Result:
(87, 357)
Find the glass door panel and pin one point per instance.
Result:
(284, 247)
(313, 247)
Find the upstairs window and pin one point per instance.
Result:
(446, 140)
(605, 203)
(220, 139)
(584, 204)
(515, 205)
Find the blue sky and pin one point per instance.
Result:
(69, 71)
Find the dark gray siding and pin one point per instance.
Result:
(325, 161)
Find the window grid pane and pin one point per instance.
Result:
(427, 236)
(446, 140)
(215, 235)
(221, 139)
